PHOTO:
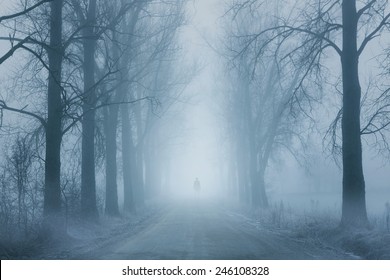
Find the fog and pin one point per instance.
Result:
(194, 129)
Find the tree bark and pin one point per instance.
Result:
(255, 191)
(112, 208)
(111, 126)
(261, 181)
(88, 184)
(256, 186)
(52, 192)
(148, 185)
(241, 171)
(140, 191)
(140, 202)
(232, 185)
(354, 204)
(128, 161)
(152, 162)
(128, 150)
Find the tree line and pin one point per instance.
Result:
(97, 79)
(283, 58)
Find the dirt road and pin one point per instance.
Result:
(199, 230)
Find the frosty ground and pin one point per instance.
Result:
(201, 229)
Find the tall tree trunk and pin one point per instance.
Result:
(140, 176)
(148, 169)
(166, 169)
(256, 186)
(231, 188)
(156, 167)
(242, 169)
(139, 156)
(128, 150)
(88, 184)
(128, 160)
(256, 199)
(152, 162)
(354, 203)
(52, 192)
(111, 125)
(111, 164)
(261, 182)
(240, 176)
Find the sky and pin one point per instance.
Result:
(198, 156)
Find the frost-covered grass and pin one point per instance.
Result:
(320, 225)
(81, 237)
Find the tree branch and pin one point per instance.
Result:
(3, 106)
(13, 49)
(25, 11)
(79, 117)
(365, 8)
(373, 34)
(29, 40)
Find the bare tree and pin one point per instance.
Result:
(52, 197)
(89, 42)
(322, 27)
(20, 163)
(263, 119)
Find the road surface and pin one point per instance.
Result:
(199, 230)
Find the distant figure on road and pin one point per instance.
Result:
(197, 185)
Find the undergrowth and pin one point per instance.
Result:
(322, 226)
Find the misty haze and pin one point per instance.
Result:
(194, 129)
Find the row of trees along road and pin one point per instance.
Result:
(98, 73)
(97, 77)
(277, 53)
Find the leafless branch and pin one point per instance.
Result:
(25, 11)
(3, 106)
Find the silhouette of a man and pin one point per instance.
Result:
(197, 185)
